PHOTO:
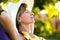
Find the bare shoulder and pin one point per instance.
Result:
(21, 36)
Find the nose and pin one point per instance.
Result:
(32, 14)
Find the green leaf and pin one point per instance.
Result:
(4, 1)
(1, 10)
(14, 1)
(36, 10)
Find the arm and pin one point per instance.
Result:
(7, 23)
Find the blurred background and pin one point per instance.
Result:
(47, 17)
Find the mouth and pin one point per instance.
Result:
(32, 18)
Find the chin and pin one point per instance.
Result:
(32, 21)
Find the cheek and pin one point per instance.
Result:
(25, 18)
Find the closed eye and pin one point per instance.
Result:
(27, 11)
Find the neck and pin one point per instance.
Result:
(25, 27)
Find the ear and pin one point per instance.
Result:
(19, 19)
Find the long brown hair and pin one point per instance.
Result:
(21, 10)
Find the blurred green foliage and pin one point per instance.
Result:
(14, 1)
(52, 11)
(40, 3)
(36, 10)
(6, 2)
(1, 10)
(43, 27)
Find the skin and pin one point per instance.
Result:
(26, 19)
(7, 23)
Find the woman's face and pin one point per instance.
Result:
(27, 17)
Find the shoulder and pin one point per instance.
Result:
(21, 36)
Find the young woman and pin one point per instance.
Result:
(23, 20)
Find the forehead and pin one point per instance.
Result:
(28, 11)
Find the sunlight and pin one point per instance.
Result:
(58, 5)
(43, 12)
